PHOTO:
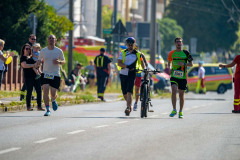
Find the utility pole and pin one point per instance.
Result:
(99, 19)
(70, 40)
(153, 33)
(127, 10)
(145, 10)
(114, 36)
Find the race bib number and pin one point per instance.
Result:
(48, 76)
(178, 74)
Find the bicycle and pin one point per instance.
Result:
(145, 92)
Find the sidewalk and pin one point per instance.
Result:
(6, 106)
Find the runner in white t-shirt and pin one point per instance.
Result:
(52, 58)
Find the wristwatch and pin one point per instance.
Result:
(60, 62)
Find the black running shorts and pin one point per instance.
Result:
(127, 82)
(55, 82)
(181, 83)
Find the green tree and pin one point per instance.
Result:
(207, 20)
(169, 30)
(14, 22)
(236, 46)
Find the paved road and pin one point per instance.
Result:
(101, 131)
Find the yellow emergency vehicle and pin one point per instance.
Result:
(216, 79)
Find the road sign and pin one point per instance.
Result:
(119, 29)
(107, 31)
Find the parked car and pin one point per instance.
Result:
(216, 79)
(160, 80)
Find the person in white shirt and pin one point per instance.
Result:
(129, 60)
(52, 58)
(3, 59)
(201, 79)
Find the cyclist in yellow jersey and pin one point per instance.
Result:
(179, 60)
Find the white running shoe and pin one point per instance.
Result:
(135, 107)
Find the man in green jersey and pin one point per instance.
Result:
(179, 60)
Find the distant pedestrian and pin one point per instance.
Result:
(201, 79)
(236, 102)
(77, 78)
(27, 63)
(32, 39)
(91, 74)
(3, 59)
(53, 58)
(167, 69)
(103, 69)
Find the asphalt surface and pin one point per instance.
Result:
(101, 131)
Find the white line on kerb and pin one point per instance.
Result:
(121, 122)
(101, 126)
(75, 132)
(9, 150)
(45, 140)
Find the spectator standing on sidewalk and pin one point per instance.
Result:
(27, 63)
(236, 102)
(2, 60)
(91, 74)
(31, 40)
(52, 58)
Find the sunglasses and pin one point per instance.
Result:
(33, 39)
(27, 49)
(51, 38)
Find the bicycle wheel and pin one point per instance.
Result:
(144, 101)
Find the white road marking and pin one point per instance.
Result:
(195, 106)
(9, 150)
(45, 140)
(186, 109)
(121, 122)
(101, 126)
(75, 132)
(153, 116)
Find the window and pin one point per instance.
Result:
(193, 72)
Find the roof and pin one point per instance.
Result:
(95, 38)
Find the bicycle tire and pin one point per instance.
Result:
(144, 101)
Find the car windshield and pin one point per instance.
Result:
(150, 67)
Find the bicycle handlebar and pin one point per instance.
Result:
(146, 70)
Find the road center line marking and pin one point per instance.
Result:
(9, 150)
(45, 140)
(121, 122)
(75, 132)
(101, 126)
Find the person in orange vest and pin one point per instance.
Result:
(236, 102)
(102, 68)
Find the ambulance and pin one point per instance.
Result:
(216, 79)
